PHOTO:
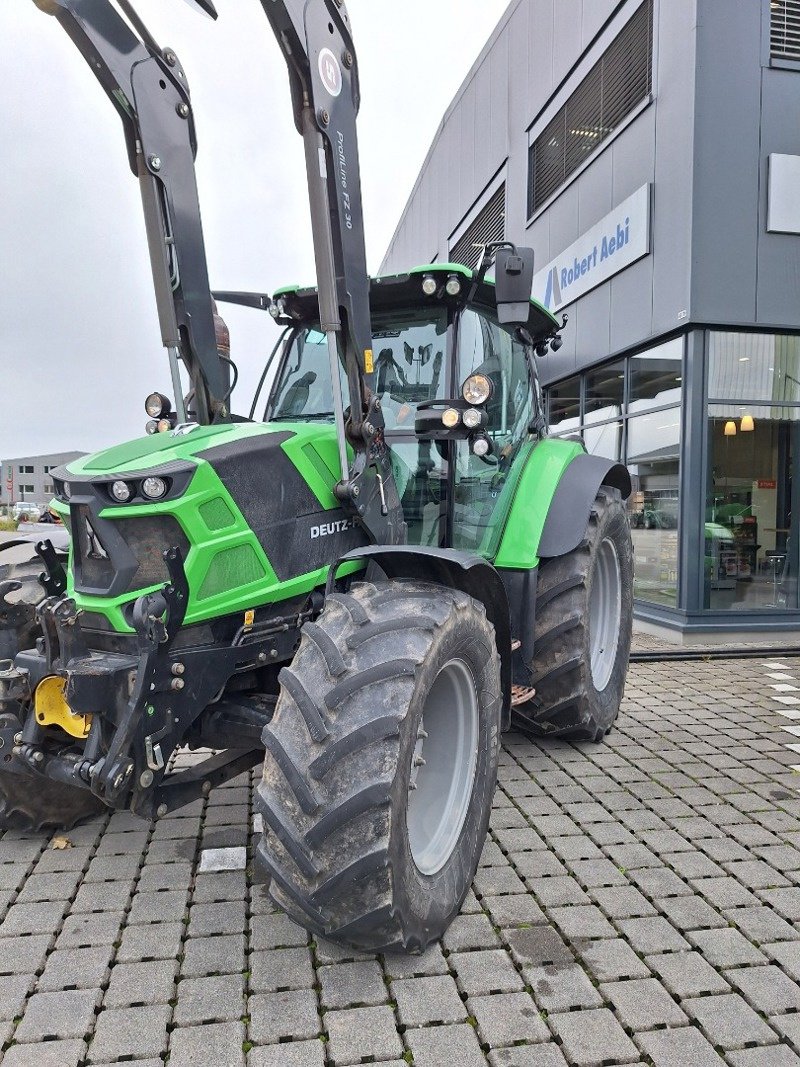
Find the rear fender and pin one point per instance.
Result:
(455, 570)
(572, 502)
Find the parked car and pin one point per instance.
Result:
(27, 508)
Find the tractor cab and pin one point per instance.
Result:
(458, 390)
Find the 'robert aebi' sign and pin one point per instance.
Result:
(611, 245)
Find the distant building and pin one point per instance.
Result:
(27, 478)
(649, 152)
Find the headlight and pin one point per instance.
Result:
(66, 490)
(429, 285)
(151, 427)
(481, 446)
(121, 491)
(157, 405)
(477, 389)
(450, 418)
(154, 488)
(163, 425)
(472, 418)
(453, 285)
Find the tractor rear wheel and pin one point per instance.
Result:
(584, 605)
(380, 765)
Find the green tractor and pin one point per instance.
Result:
(362, 584)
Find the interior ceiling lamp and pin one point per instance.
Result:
(730, 428)
(747, 424)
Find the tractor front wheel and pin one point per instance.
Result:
(36, 804)
(380, 766)
(584, 612)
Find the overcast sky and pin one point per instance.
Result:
(79, 341)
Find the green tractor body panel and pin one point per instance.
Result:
(227, 567)
(533, 495)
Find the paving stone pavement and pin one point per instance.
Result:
(638, 902)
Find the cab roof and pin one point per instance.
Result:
(395, 291)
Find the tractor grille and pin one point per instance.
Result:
(148, 539)
(107, 548)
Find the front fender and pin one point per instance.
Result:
(455, 570)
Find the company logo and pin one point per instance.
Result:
(560, 279)
(325, 529)
(330, 72)
(552, 294)
(612, 244)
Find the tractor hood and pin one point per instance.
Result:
(250, 506)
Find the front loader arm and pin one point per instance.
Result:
(148, 88)
(318, 47)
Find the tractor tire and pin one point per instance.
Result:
(22, 629)
(33, 804)
(37, 804)
(380, 765)
(584, 612)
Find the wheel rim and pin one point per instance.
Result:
(443, 767)
(604, 613)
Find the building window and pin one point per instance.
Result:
(29, 489)
(564, 404)
(752, 519)
(488, 225)
(653, 457)
(620, 80)
(629, 411)
(48, 488)
(656, 377)
(25, 470)
(784, 29)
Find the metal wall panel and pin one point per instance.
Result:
(632, 304)
(778, 294)
(592, 326)
(670, 132)
(726, 162)
(594, 17)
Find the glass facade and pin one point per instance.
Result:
(752, 515)
(736, 459)
(629, 410)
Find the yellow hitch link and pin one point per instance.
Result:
(52, 708)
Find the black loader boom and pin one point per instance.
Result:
(318, 47)
(148, 88)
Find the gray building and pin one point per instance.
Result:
(26, 479)
(649, 152)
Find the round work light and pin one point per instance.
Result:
(157, 405)
(477, 389)
(154, 488)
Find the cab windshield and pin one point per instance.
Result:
(410, 351)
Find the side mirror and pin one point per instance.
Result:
(513, 281)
